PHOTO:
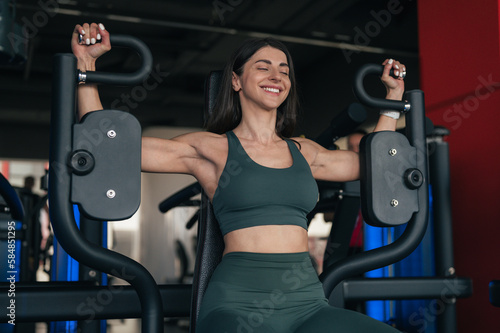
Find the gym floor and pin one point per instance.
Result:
(134, 326)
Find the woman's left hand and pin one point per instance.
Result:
(395, 86)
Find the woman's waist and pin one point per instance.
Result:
(230, 221)
(267, 239)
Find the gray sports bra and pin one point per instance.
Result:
(249, 194)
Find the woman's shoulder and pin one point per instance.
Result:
(305, 143)
(308, 148)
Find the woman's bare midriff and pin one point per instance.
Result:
(267, 239)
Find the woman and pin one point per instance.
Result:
(261, 185)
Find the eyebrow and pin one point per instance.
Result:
(283, 64)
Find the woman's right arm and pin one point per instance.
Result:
(184, 154)
(86, 52)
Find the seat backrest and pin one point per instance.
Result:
(210, 239)
(208, 256)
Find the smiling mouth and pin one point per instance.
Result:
(273, 90)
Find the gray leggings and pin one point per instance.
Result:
(274, 292)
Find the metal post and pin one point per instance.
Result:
(92, 231)
(439, 166)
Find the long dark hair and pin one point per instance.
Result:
(226, 114)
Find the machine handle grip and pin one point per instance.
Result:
(366, 99)
(128, 79)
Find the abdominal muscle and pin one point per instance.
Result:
(267, 239)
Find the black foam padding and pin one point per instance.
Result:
(208, 256)
(210, 239)
(112, 189)
(212, 87)
(386, 200)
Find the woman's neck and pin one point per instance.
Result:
(259, 126)
(262, 134)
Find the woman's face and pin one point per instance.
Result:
(264, 83)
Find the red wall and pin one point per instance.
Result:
(460, 65)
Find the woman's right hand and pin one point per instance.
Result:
(89, 49)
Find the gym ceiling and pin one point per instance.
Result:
(190, 38)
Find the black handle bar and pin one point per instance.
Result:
(11, 199)
(128, 79)
(366, 99)
(61, 207)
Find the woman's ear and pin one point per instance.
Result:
(235, 81)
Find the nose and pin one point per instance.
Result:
(275, 75)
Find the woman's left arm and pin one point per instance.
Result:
(343, 165)
(395, 88)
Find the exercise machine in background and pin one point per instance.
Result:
(394, 173)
